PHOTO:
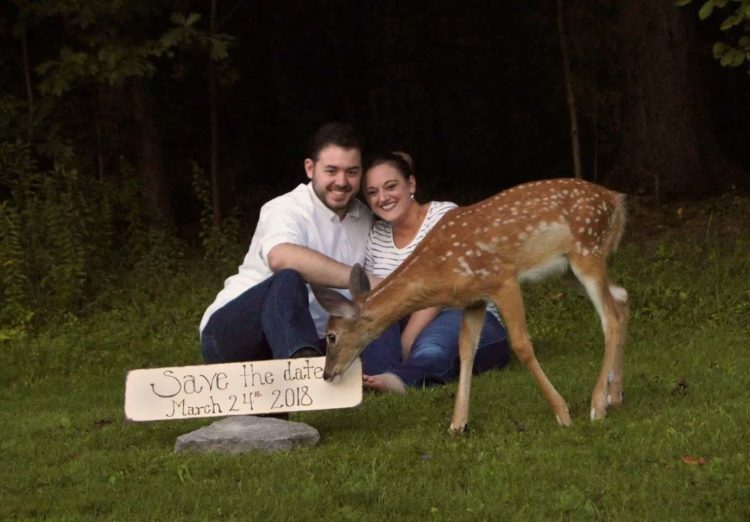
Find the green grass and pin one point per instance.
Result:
(68, 454)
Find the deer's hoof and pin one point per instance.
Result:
(563, 418)
(598, 413)
(458, 429)
(614, 398)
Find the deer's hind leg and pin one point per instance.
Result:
(508, 299)
(472, 321)
(611, 305)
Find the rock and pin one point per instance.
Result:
(245, 433)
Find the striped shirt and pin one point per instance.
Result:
(382, 256)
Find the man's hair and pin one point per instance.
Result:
(340, 134)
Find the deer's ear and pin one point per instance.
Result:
(334, 303)
(358, 281)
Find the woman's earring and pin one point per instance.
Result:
(411, 195)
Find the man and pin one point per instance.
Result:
(314, 233)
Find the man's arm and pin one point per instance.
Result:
(314, 266)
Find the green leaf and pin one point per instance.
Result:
(719, 49)
(706, 10)
(720, 3)
(218, 51)
(192, 18)
(681, 3)
(171, 38)
(744, 41)
(726, 59)
(730, 22)
(739, 59)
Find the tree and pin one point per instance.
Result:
(571, 99)
(107, 55)
(667, 145)
(729, 54)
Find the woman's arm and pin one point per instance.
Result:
(414, 327)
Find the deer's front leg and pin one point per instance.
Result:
(472, 321)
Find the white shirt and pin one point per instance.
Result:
(300, 218)
(383, 256)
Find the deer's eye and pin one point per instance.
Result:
(331, 338)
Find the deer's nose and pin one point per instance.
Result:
(328, 377)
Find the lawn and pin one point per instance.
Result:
(676, 450)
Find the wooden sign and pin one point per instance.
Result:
(244, 388)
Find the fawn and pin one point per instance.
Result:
(482, 253)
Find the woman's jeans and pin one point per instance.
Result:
(269, 321)
(434, 357)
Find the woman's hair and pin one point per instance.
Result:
(401, 161)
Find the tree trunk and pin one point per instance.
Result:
(667, 146)
(572, 111)
(215, 185)
(27, 78)
(148, 147)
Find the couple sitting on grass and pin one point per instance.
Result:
(315, 234)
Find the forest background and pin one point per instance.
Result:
(137, 135)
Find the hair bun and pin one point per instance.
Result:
(404, 156)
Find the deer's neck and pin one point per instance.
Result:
(405, 291)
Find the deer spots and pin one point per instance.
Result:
(466, 269)
(482, 246)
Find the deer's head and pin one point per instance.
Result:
(347, 333)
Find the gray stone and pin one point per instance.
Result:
(245, 433)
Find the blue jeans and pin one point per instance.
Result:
(269, 321)
(434, 357)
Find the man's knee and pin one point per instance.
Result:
(288, 276)
(289, 282)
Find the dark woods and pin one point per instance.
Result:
(127, 125)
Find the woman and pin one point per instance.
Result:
(421, 349)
